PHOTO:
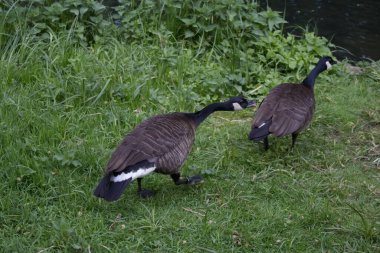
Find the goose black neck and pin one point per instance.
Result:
(201, 115)
(310, 79)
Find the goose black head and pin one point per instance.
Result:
(326, 62)
(323, 64)
(232, 104)
(239, 103)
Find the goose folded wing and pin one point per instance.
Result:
(267, 107)
(149, 141)
(292, 114)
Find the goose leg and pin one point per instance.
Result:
(266, 143)
(143, 193)
(186, 180)
(294, 137)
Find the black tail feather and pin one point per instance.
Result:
(109, 190)
(258, 134)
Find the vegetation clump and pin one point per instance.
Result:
(242, 39)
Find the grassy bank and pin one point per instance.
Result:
(64, 108)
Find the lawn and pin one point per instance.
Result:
(63, 109)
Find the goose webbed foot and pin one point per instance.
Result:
(143, 193)
(194, 180)
(186, 180)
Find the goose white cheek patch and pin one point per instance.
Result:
(328, 65)
(133, 174)
(237, 107)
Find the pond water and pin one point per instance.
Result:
(351, 24)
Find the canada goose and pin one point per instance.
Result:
(159, 144)
(288, 108)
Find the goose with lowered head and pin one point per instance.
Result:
(159, 144)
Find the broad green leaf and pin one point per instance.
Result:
(231, 15)
(210, 28)
(189, 34)
(76, 163)
(59, 157)
(238, 88)
(83, 10)
(292, 64)
(75, 11)
(189, 21)
(98, 6)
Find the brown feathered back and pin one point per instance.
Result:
(290, 107)
(165, 140)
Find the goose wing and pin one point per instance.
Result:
(288, 108)
(165, 140)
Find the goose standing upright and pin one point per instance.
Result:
(288, 108)
(159, 144)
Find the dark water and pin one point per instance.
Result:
(351, 24)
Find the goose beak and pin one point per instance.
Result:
(251, 103)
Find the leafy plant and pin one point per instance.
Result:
(205, 22)
(84, 20)
(242, 46)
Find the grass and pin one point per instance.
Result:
(63, 110)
